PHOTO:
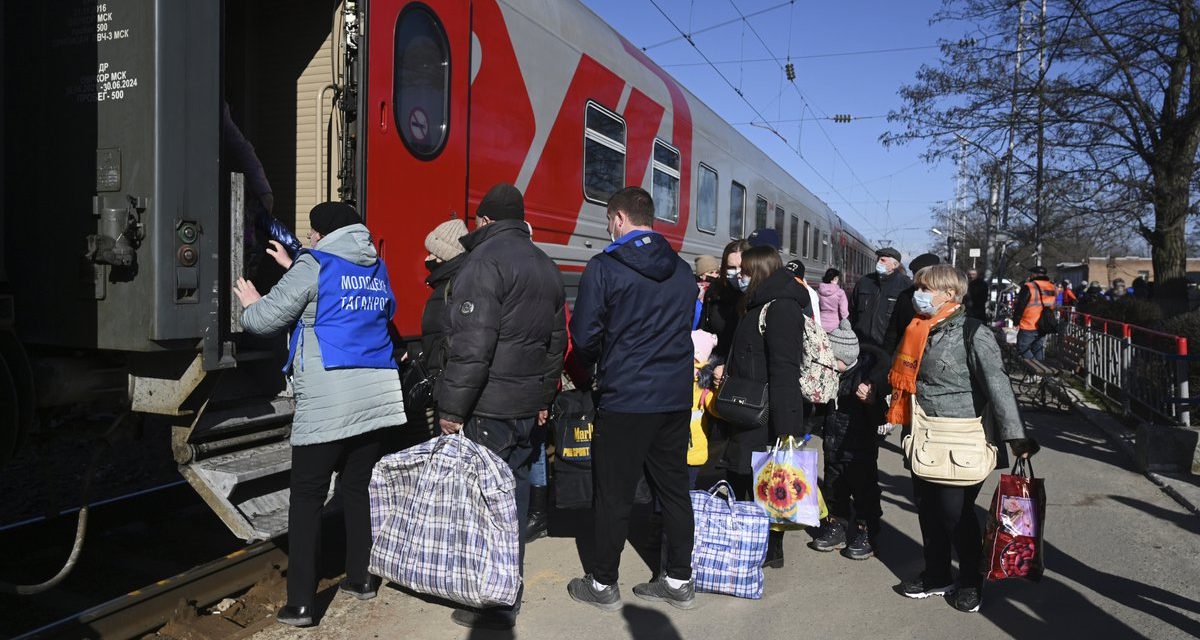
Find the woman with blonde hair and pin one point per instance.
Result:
(946, 367)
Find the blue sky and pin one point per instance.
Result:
(884, 193)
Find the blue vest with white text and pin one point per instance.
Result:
(354, 306)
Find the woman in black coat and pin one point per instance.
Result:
(722, 300)
(446, 255)
(773, 357)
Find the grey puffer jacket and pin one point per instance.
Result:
(339, 403)
(944, 386)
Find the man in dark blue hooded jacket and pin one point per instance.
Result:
(633, 317)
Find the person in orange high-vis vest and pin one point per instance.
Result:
(1038, 296)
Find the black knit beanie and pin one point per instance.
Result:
(328, 217)
(502, 202)
(922, 261)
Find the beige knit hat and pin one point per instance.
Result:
(443, 240)
(705, 264)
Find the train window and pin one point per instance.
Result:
(792, 233)
(706, 200)
(780, 216)
(760, 213)
(807, 232)
(421, 87)
(666, 182)
(737, 211)
(825, 248)
(603, 153)
(816, 244)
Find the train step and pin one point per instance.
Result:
(247, 488)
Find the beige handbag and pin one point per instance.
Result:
(951, 451)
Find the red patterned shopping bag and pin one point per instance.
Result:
(1015, 526)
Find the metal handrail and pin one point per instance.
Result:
(1106, 356)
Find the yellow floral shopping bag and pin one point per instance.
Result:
(785, 483)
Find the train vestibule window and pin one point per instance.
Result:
(603, 153)
(421, 86)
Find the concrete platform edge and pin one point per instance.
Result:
(1122, 438)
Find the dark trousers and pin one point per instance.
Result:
(947, 517)
(852, 490)
(623, 445)
(312, 465)
(1031, 345)
(512, 440)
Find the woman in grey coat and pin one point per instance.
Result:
(950, 383)
(337, 303)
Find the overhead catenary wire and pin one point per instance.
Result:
(688, 35)
(762, 118)
(804, 99)
(810, 56)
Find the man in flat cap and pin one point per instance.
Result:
(875, 295)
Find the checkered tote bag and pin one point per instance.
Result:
(444, 522)
(731, 542)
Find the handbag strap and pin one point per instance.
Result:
(1023, 467)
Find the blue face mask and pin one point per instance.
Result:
(880, 269)
(923, 303)
(743, 283)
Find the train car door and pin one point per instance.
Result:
(418, 74)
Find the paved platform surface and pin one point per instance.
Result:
(1123, 561)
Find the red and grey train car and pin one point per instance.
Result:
(122, 217)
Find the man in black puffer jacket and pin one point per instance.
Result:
(634, 316)
(507, 336)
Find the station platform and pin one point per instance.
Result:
(1123, 561)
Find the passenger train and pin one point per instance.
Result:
(123, 217)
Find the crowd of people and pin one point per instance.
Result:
(650, 335)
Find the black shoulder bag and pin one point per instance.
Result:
(742, 402)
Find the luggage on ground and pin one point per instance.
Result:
(730, 543)
(444, 522)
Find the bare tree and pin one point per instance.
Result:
(1111, 90)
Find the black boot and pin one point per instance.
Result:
(774, 559)
(831, 537)
(862, 546)
(537, 525)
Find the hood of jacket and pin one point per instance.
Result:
(351, 243)
(781, 284)
(828, 289)
(489, 231)
(445, 271)
(647, 253)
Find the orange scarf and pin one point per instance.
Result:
(903, 376)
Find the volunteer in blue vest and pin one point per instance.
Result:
(336, 302)
(1036, 297)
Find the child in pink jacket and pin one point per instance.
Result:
(834, 306)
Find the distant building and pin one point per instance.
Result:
(1107, 269)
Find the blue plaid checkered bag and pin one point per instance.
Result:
(444, 522)
(731, 542)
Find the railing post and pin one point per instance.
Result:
(1088, 350)
(1182, 372)
(1126, 363)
